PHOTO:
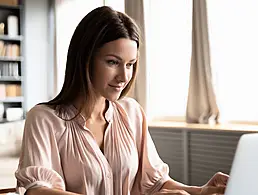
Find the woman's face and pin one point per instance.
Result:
(113, 68)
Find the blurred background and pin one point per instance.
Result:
(196, 82)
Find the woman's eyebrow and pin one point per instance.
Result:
(119, 58)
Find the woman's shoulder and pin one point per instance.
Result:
(132, 108)
(41, 110)
(129, 103)
(42, 113)
(42, 117)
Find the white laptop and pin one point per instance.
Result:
(244, 172)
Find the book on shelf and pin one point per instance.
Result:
(2, 91)
(9, 50)
(13, 90)
(10, 90)
(1, 48)
(9, 2)
(9, 69)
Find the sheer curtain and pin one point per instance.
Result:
(135, 9)
(201, 105)
(233, 33)
(168, 34)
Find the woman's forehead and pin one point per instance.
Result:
(124, 48)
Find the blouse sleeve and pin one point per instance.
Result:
(152, 171)
(39, 163)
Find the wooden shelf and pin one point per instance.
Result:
(11, 7)
(8, 78)
(12, 100)
(10, 38)
(11, 59)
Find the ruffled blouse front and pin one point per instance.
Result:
(63, 154)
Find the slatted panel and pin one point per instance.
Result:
(210, 152)
(170, 148)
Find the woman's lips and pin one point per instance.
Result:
(116, 87)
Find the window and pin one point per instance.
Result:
(233, 34)
(168, 50)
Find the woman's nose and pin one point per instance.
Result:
(122, 74)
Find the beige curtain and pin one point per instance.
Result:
(135, 9)
(201, 105)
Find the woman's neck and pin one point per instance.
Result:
(98, 112)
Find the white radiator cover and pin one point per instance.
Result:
(194, 156)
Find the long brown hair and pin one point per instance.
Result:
(98, 27)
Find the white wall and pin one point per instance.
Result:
(68, 15)
(36, 52)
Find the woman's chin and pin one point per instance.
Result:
(113, 98)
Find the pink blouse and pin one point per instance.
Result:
(64, 154)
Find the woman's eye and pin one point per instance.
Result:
(112, 62)
(130, 64)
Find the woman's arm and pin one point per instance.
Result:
(40, 162)
(174, 185)
(216, 185)
(48, 191)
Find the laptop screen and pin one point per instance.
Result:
(244, 172)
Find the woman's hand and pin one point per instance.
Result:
(171, 192)
(216, 185)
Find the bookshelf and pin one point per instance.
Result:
(11, 59)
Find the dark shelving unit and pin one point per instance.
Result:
(12, 66)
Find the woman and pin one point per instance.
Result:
(90, 139)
